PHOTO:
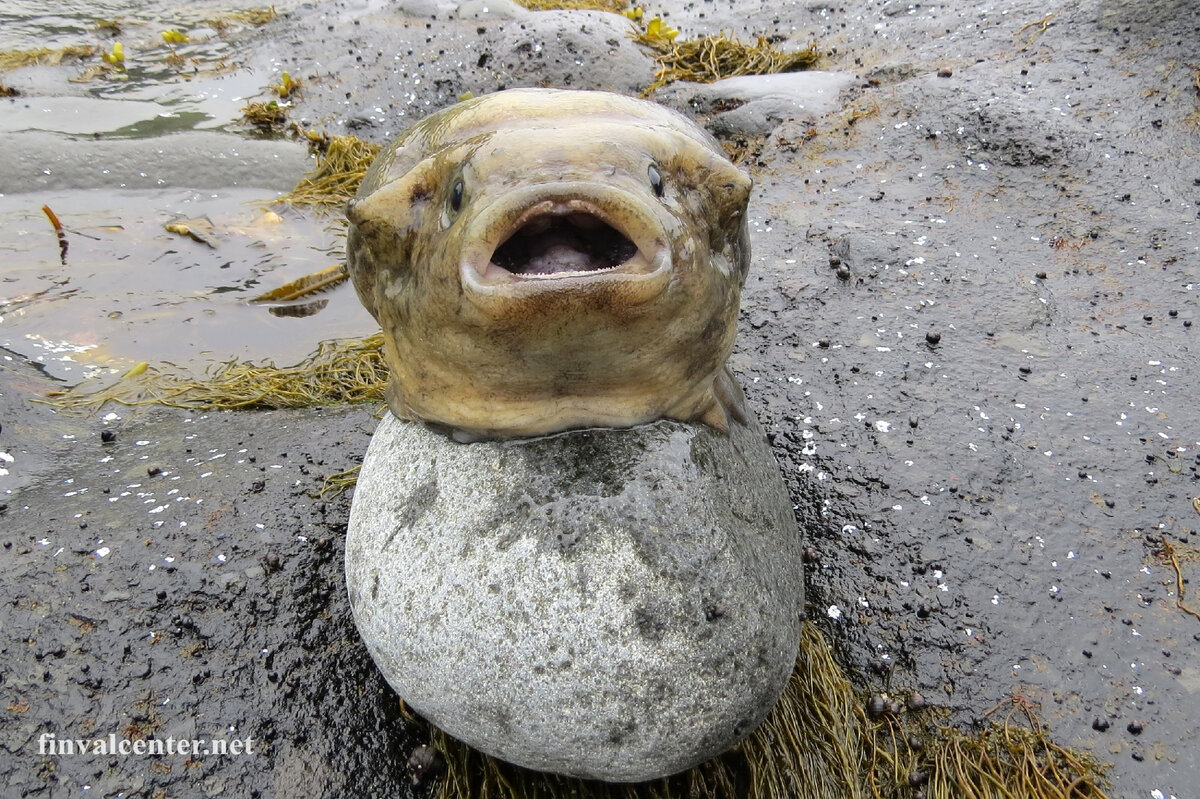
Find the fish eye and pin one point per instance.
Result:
(456, 195)
(656, 181)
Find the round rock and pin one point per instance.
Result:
(608, 604)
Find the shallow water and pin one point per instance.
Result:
(117, 155)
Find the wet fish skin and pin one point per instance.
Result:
(493, 353)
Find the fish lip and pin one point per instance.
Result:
(643, 276)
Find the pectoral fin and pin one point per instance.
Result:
(727, 403)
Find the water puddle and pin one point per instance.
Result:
(119, 150)
(127, 290)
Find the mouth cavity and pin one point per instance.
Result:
(576, 242)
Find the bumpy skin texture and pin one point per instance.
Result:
(480, 350)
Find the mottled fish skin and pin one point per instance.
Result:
(621, 303)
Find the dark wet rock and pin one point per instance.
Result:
(609, 604)
(1003, 127)
(569, 49)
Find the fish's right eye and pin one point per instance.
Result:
(456, 196)
(656, 181)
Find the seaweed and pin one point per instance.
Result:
(44, 56)
(251, 16)
(306, 286)
(713, 58)
(269, 116)
(340, 371)
(342, 163)
(613, 6)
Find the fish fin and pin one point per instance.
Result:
(729, 396)
(396, 403)
(714, 416)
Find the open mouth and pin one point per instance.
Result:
(575, 242)
(569, 241)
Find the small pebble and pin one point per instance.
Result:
(1135, 728)
(1100, 725)
(916, 701)
(423, 765)
(1041, 275)
(945, 73)
(154, 470)
(843, 272)
(108, 436)
(933, 337)
(823, 343)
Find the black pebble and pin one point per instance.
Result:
(423, 764)
(108, 436)
(1100, 725)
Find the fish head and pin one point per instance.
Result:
(543, 259)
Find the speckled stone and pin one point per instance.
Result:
(610, 604)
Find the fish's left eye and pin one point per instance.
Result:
(656, 181)
(456, 196)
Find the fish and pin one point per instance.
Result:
(542, 260)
